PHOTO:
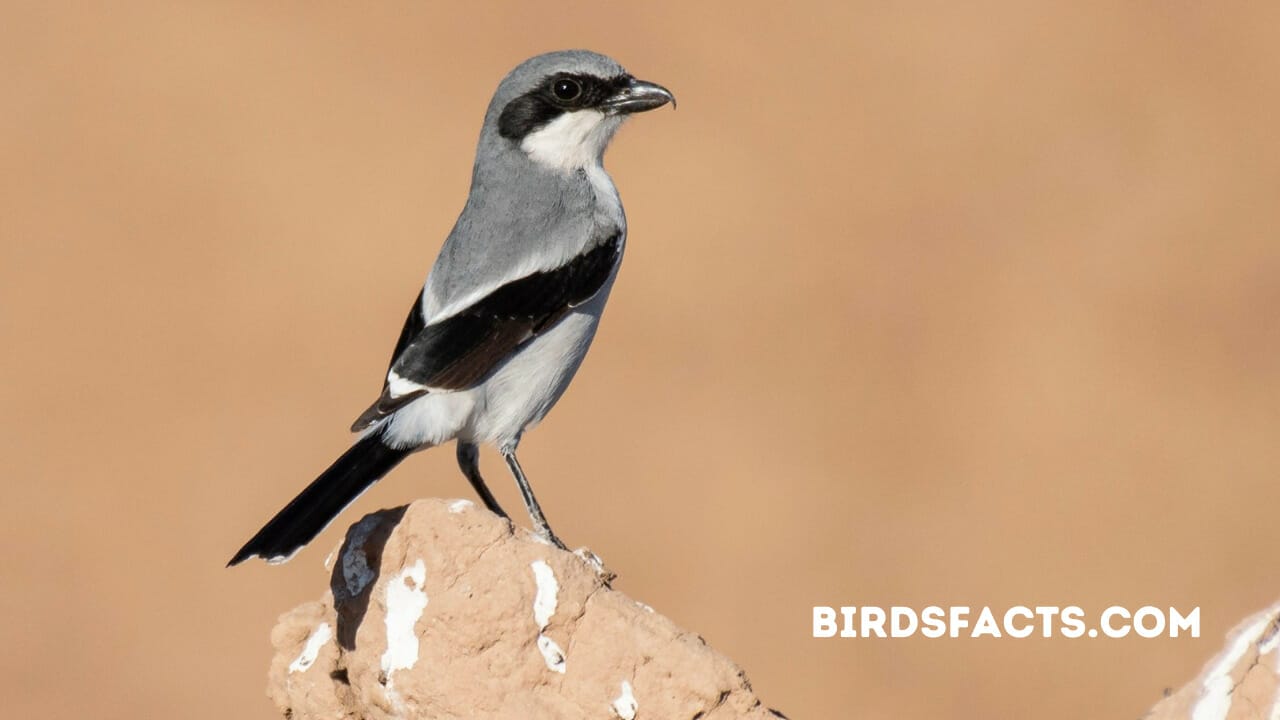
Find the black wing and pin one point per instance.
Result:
(413, 325)
(459, 351)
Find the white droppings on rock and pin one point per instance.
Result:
(625, 705)
(551, 653)
(1269, 641)
(321, 635)
(1270, 645)
(544, 608)
(478, 650)
(458, 506)
(544, 602)
(1215, 696)
(406, 599)
(1275, 667)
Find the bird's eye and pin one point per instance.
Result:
(566, 89)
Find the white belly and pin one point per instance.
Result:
(522, 390)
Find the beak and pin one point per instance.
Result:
(638, 96)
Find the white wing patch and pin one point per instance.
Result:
(399, 387)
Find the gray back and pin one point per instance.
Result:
(521, 216)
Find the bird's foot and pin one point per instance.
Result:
(545, 535)
(597, 565)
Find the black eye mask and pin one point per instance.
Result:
(553, 97)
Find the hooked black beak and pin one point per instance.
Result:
(638, 96)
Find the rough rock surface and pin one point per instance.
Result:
(440, 610)
(1241, 683)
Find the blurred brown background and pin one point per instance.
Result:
(955, 304)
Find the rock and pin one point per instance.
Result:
(1240, 683)
(440, 610)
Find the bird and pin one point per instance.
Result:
(512, 302)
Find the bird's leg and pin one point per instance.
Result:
(469, 462)
(535, 513)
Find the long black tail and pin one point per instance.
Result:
(315, 507)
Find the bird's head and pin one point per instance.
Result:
(562, 108)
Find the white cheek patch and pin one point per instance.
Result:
(573, 140)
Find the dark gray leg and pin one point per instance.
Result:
(469, 461)
(535, 513)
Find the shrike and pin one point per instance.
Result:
(512, 302)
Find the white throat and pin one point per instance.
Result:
(572, 141)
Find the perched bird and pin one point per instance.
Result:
(513, 300)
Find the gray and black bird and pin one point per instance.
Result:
(513, 300)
